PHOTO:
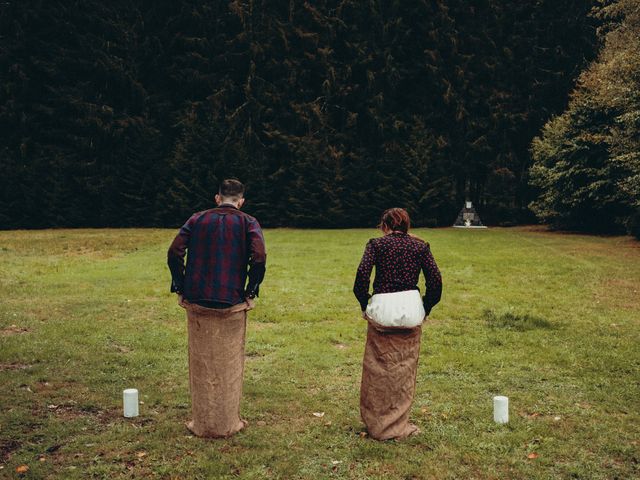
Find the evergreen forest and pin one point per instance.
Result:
(129, 113)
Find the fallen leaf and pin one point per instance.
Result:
(532, 455)
(363, 434)
(336, 462)
(318, 414)
(141, 454)
(52, 407)
(261, 423)
(557, 418)
(327, 424)
(22, 469)
(42, 458)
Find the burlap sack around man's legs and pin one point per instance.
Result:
(388, 386)
(216, 367)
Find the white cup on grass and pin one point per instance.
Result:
(500, 409)
(130, 402)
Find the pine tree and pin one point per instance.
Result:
(587, 166)
(129, 113)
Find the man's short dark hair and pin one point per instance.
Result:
(231, 188)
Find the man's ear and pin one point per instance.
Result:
(218, 199)
(240, 203)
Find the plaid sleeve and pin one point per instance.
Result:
(257, 258)
(363, 276)
(176, 253)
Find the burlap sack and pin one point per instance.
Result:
(389, 381)
(216, 367)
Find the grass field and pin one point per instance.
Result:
(550, 320)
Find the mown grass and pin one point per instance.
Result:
(549, 320)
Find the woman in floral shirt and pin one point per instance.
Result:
(395, 315)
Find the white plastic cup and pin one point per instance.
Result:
(130, 402)
(500, 409)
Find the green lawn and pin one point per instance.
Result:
(550, 320)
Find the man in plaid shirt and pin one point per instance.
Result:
(225, 266)
(222, 243)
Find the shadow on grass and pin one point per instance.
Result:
(516, 321)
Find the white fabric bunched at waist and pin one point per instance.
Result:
(397, 309)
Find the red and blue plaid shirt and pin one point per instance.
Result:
(222, 243)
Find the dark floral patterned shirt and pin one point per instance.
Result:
(398, 258)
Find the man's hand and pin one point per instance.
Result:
(250, 303)
(181, 301)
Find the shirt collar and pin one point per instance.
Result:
(227, 205)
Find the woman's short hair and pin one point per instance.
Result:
(395, 219)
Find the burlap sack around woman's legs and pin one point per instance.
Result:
(389, 382)
(216, 367)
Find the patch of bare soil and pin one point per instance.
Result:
(7, 447)
(71, 411)
(13, 366)
(13, 330)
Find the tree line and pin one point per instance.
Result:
(129, 113)
(587, 160)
